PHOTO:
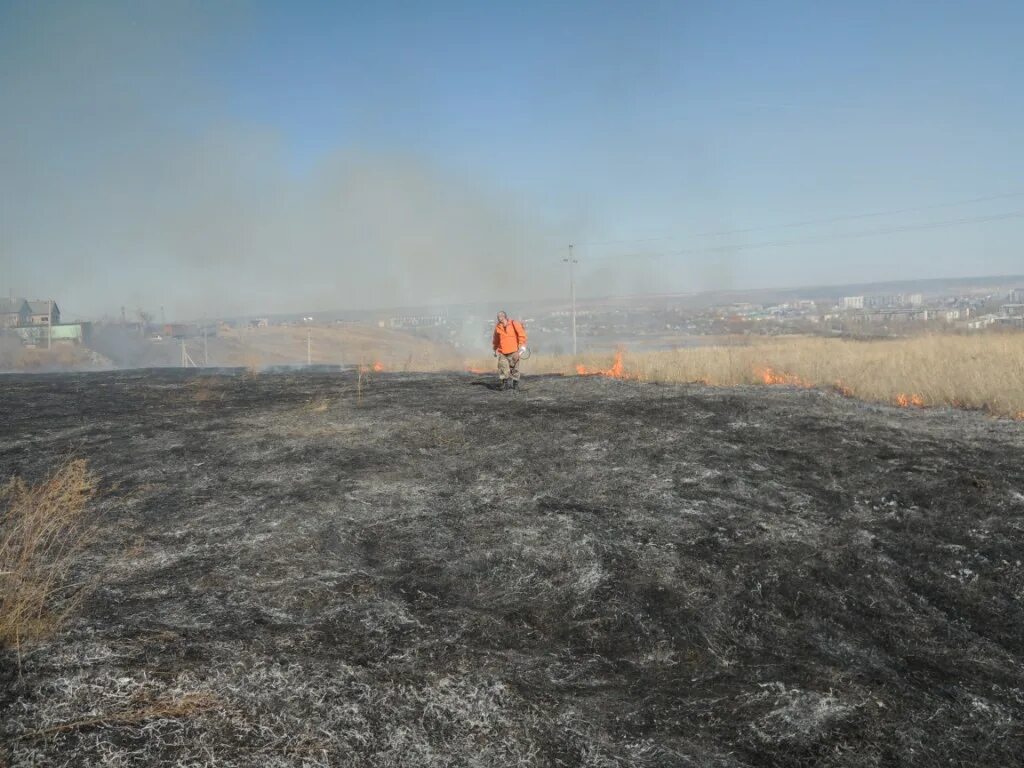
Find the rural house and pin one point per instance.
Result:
(13, 312)
(40, 312)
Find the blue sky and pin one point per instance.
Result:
(447, 151)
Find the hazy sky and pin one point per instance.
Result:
(228, 157)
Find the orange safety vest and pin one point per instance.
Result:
(509, 338)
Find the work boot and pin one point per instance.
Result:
(515, 385)
(504, 385)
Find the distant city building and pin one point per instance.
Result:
(883, 301)
(982, 322)
(1016, 296)
(416, 321)
(1013, 310)
(181, 331)
(853, 302)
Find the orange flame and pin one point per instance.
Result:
(478, 371)
(842, 389)
(378, 367)
(617, 371)
(908, 401)
(771, 376)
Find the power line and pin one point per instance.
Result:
(858, 216)
(853, 235)
(813, 222)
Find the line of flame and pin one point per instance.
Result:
(771, 376)
(617, 371)
(908, 401)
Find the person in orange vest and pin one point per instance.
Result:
(509, 340)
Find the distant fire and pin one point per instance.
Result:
(478, 371)
(842, 389)
(909, 401)
(617, 371)
(771, 376)
(378, 367)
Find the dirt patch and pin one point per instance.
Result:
(412, 570)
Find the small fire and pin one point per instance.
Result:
(908, 401)
(477, 371)
(617, 371)
(771, 376)
(842, 389)
(378, 367)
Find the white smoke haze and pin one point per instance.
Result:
(141, 164)
(221, 227)
(144, 211)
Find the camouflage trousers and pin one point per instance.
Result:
(508, 366)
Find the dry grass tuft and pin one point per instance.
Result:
(203, 391)
(189, 705)
(319, 405)
(42, 532)
(15, 357)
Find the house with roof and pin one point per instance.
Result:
(43, 312)
(13, 313)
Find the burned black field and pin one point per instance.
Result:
(304, 569)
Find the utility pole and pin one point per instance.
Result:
(572, 294)
(309, 346)
(49, 324)
(186, 358)
(206, 351)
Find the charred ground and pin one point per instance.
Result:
(313, 569)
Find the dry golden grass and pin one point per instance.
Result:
(15, 357)
(42, 531)
(319, 405)
(388, 349)
(204, 391)
(984, 372)
(188, 705)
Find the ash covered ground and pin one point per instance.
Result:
(590, 573)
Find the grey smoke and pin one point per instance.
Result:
(103, 203)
